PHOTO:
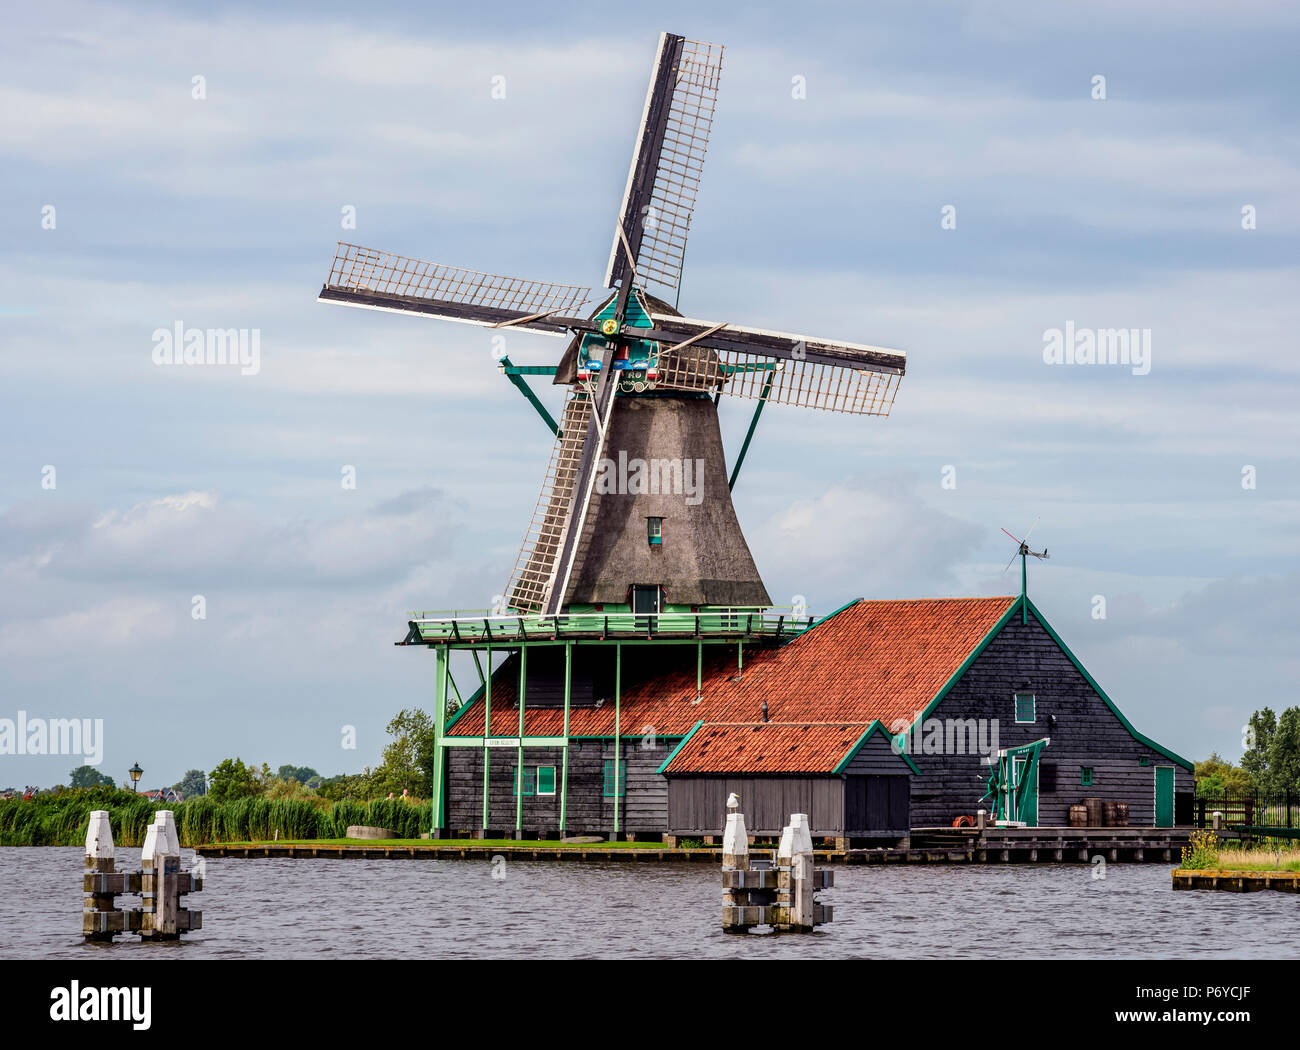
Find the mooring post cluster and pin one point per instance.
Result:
(159, 882)
(757, 893)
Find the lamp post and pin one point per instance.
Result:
(135, 772)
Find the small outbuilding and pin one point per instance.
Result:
(851, 778)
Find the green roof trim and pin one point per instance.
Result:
(680, 744)
(1106, 699)
(818, 623)
(876, 726)
(463, 708)
(1003, 620)
(1020, 603)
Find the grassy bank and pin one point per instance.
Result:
(60, 820)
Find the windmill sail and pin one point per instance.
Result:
(659, 198)
(781, 367)
(382, 281)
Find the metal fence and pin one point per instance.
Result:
(1279, 809)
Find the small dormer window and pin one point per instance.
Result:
(654, 528)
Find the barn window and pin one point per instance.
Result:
(608, 789)
(1085, 776)
(546, 780)
(1143, 760)
(1025, 707)
(530, 780)
(654, 528)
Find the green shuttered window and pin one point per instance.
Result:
(1025, 707)
(1085, 776)
(609, 779)
(538, 780)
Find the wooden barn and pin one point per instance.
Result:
(884, 716)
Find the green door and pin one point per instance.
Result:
(1164, 796)
(1026, 774)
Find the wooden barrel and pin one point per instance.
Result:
(1096, 812)
(1078, 816)
(1121, 816)
(1109, 814)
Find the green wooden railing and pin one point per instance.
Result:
(486, 625)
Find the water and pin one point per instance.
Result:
(289, 909)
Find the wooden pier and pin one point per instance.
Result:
(1236, 881)
(936, 846)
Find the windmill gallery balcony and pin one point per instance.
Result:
(472, 628)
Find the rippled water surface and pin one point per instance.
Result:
(455, 908)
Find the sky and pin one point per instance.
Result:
(847, 140)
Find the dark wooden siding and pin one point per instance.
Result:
(1086, 733)
(877, 756)
(876, 806)
(643, 810)
(698, 805)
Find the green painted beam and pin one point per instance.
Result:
(528, 370)
(564, 758)
(519, 767)
(513, 373)
(487, 731)
(618, 714)
(440, 662)
(749, 435)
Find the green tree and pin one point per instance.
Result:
(1216, 776)
(1259, 738)
(302, 774)
(192, 784)
(89, 777)
(408, 760)
(233, 780)
(1284, 755)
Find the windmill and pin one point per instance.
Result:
(643, 381)
(1023, 552)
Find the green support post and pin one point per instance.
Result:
(618, 725)
(440, 660)
(699, 670)
(740, 657)
(749, 436)
(519, 768)
(564, 758)
(487, 729)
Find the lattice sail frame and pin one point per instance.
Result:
(358, 269)
(681, 162)
(808, 384)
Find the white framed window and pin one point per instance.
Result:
(1026, 708)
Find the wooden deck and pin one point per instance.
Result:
(997, 846)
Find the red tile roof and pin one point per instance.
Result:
(767, 747)
(873, 660)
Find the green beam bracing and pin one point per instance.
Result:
(753, 423)
(529, 370)
(618, 714)
(564, 760)
(451, 680)
(478, 666)
(511, 373)
(487, 731)
(440, 662)
(519, 768)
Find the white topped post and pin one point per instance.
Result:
(99, 840)
(735, 837)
